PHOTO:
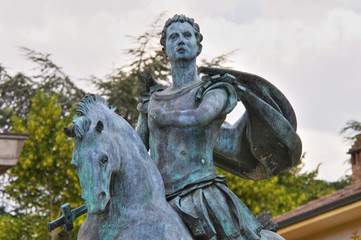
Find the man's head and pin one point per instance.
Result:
(182, 18)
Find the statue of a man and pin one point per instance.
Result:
(181, 126)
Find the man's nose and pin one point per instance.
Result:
(181, 40)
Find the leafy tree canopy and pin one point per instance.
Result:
(16, 91)
(41, 104)
(284, 192)
(351, 130)
(278, 195)
(43, 179)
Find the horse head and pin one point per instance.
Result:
(95, 157)
(121, 186)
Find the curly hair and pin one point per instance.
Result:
(182, 18)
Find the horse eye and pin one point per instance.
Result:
(104, 160)
(74, 166)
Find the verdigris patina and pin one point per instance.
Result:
(121, 186)
(183, 127)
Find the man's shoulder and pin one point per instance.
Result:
(225, 82)
(170, 94)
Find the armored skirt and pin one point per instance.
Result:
(212, 211)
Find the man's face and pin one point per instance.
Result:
(181, 43)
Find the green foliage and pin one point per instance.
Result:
(278, 195)
(355, 235)
(50, 79)
(344, 181)
(30, 226)
(122, 88)
(22, 227)
(16, 91)
(282, 193)
(43, 179)
(218, 61)
(351, 130)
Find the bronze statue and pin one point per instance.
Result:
(182, 127)
(121, 186)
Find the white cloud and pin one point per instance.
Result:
(309, 49)
(327, 149)
(316, 64)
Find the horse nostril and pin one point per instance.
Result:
(102, 196)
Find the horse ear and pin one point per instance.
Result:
(99, 127)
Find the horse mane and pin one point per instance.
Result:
(82, 122)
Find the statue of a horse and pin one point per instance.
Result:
(121, 186)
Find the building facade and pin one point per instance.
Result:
(333, 217)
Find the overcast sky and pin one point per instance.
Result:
(311, 50)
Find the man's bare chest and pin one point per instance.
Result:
(178, 101)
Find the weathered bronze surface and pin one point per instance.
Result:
(67, 218)
(183, 128)
(121, 186)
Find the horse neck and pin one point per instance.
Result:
(138, 182)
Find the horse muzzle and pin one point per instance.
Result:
(100, 205)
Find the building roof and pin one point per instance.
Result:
(316, 207)
(340, 198)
